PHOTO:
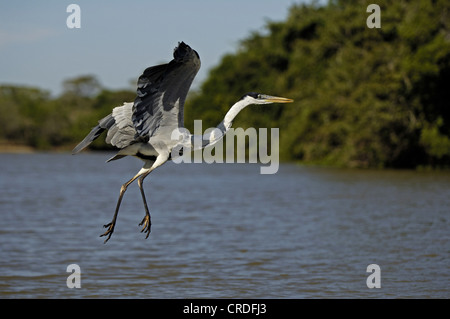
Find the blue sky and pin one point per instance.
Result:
(119, 39)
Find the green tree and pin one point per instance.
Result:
(82, 86)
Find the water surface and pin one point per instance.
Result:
(220, 231)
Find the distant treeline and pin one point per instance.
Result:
(364, 97)
(30, 116)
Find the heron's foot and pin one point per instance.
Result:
(109, 232)
(146, 225)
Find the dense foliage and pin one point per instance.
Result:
(29, 116)
(363, 97)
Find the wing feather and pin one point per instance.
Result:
(161, 93)
(122, 132)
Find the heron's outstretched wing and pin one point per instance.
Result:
(161, 93)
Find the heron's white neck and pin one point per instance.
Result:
(219, 132)
(233, 112)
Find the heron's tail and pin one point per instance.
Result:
(104, 124)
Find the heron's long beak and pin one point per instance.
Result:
(276, 99)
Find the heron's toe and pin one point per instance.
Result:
(146, 225)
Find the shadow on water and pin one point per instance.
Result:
(221, 230)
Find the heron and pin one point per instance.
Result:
(144, 128)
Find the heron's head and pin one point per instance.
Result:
(258, 98)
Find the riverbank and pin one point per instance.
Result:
(6, 147)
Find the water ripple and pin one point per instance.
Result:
(221, 231)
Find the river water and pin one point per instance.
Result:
(221, 231)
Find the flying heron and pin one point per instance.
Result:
(144, 128)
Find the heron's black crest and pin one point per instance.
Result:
(251, 94)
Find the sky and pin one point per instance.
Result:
(117, 40)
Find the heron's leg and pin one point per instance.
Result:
(113, 222)
(146, 222)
